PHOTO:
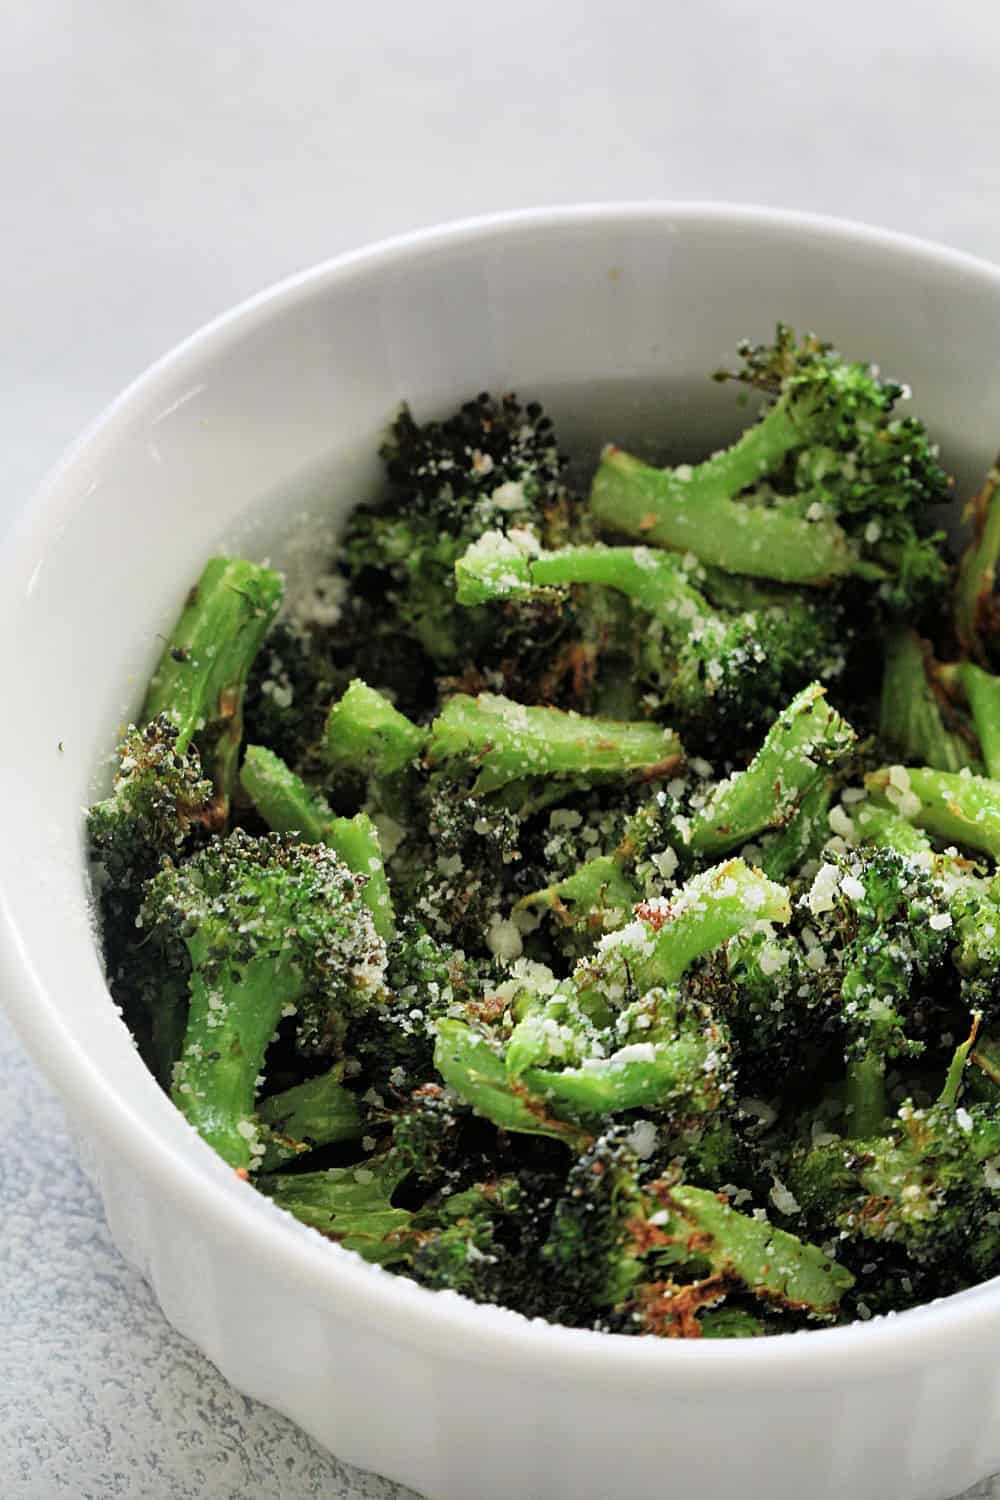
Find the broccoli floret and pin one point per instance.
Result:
(827, 482)
(714, 667)
(493, 464)
(658, 1253)
(425, 979)
(160, 807)
(930, 1186)
(267, 927)
(879, 921)
(160, 803)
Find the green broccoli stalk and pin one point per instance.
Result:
(827, 482)
(660, 1253)
(201, 677)
(505, 742)
(806, 739)
(351, 1206)
(289, 806)
(698, 514)
(950, 805)
(319, 1112)
(983, 692)
(268, 928)
(365, 733)
(977, 569)
(911, 722)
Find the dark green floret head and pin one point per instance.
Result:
(159, 801)
(271, 904)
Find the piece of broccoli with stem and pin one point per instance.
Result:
(200, 680)
(706, 663)
(658, 1253)
(266, 927)
(806, 739)
(618, 1035)
(287, 805)
(827, 482)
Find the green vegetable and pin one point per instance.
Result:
(577, 913)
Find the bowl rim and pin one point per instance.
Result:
(443, 1322)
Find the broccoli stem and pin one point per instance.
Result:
(698, 515)
(956, 1068)
(808, 736)
(771, 1263)
(230, 1025)
(599, 885)
(351, 1205)
(709, 910)
(865, 1100)
(983, 692)
(951, 805)
(506, 742)
(657, 581)
(803, 836)
(878, 825)
(364, 732)
(319, 1112)
(910, 720)
(977, 568)
(200, 680)
(282, 798)
(288, 805)
(470, 1065)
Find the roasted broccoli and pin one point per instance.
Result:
(608, 929)
(826, 483)
(265, 928)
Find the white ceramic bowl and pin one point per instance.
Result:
(614, 314)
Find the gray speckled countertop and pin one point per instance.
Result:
(160, 161)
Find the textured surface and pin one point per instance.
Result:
(99, 1397)
(159, 162)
